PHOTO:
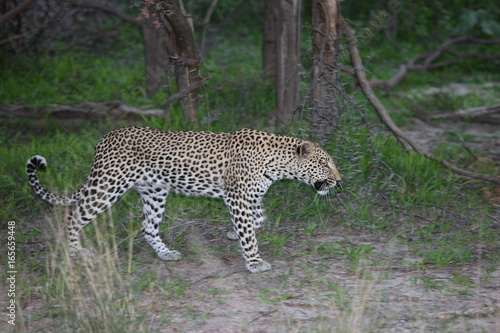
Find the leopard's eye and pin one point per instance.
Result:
(330, 165)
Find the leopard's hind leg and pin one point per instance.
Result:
(97, 197)
(153, 198)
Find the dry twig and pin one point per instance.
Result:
(428, 61)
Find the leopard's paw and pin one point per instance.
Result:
(257, 267)
(232, 235)
(82, 253)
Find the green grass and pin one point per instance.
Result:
(69, 156)
(88, 294)
(72, 78)
(229, 101)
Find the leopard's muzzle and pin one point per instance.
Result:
(324, 186)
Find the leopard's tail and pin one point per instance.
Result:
(39, 162)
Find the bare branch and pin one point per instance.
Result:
(16, 37)
(180, 95)
(124, 16)
(15, 11)
(33, 30)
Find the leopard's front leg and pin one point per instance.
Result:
(242, 218)
(258, 220)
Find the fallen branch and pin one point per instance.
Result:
(386, 118)
(428, 61)
(90, 111)
(485, 114)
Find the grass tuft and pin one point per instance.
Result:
(88, 294)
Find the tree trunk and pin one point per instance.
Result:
(281, 55)
(183, 54)
(325, 23)
(155, 55)
(288, 33)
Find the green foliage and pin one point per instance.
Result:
(273, 297)
(415, 21)
(479, 20)
(175, 289)
(232, 100)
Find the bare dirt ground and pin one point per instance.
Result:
(430, 135)
(306, 291)
(323, 294)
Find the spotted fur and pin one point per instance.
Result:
(237, 167)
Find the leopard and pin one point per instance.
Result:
(238, 167)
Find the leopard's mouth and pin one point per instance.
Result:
(324, 186)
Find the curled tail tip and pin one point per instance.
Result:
(36, 162)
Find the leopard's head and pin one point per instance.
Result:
(317, 168)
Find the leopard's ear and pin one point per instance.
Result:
(305, 150)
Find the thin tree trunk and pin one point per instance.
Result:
(204, 26)
(325, 22)
(269, 40)
(288, 33)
